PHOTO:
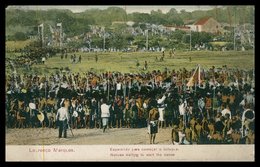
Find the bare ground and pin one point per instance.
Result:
(47, 136)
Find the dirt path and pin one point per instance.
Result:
(33, 136)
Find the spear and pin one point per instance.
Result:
(116, 91)
(108, 90)
(45, 86)
(213, 96)
(129, 89)
(14, 74)
(87, 82)
(124, 90)
(84, 89)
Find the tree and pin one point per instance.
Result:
(185, 38)
(143, 26)
(153, 41)
(177, 35)
(19, 36)
(205, 37)
(157, 17)
(172, 17)
(140, 40)
(95, 41)
(135, 25)
(185, 15)
(128, 36)
(77, 43)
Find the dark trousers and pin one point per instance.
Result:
(63, 127)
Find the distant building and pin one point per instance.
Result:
(102, 29)
(130, 23)
(33, 36)
(173, 28)
(207, 24)
(193, 28)
(118, 22)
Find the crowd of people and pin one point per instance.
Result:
(219, 108)
(33, 54)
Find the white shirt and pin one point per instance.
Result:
(226, 111)
(62, 114)
(161, 101)
(144, 106)
(161, 107)
(105, 110)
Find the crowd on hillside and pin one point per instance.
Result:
(217, 108)
(36, 55)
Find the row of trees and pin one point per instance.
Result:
(178, 39)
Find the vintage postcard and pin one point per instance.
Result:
(130, 83)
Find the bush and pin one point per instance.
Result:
(230, 46)
(18, 36)
(247, 46)
(217, 47)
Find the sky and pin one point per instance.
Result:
(129, 8)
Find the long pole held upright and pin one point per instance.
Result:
(60, 35)
(42, 36)
(125, 15)
(244, 18)
(146, 31)
(104, 40)
(234, 39)
(190, 39)
(229, 18)
(216, 13)
(108, 90)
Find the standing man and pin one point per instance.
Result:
(74, 59)
(96, 58)
(153, 121)
(71, 58)
(161, 108)
(62, 117)
(80, 58)
(201, 105)
(145, 65)
(105, 114)
(43, 60)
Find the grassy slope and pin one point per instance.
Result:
(12, 45)
(219, 43)
(126, 62)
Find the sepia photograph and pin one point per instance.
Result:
(130, 83)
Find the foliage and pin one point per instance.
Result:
(78, 22)
(177, 35)
(12, 46)
(77, 43)
(230, 46)
(143, 26)
(18, 36)
(20, 24)
(200, 37)
(217, 47)
(247, 46)
(140, 40)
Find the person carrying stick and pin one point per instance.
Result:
(63, 118)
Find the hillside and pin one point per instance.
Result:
(126, 62)
(78, 23)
